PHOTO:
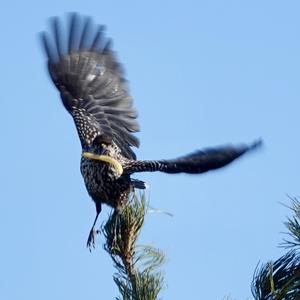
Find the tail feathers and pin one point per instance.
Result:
(138, 184)
(198, 162)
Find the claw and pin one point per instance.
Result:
(91, 239)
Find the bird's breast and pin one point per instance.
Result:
(103, 182)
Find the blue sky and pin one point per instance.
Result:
(202, 73)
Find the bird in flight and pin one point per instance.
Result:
(94, 91)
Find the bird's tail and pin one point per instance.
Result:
(198, 162)
(138, 184)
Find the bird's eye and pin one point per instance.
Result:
(102, 140)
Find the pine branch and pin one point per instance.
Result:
(280, 280)
(137, 274)
(293, 226)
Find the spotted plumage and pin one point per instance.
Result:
(92, 87)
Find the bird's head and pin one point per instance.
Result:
(101, 145)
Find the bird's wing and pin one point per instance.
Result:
(90, 80)
(195, 163)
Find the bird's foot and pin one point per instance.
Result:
(91, 239)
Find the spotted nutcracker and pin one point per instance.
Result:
(93, 90)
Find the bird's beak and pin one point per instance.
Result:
(104, 151)
(98, 150)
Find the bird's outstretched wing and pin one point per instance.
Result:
(90, 80)
(195, 163)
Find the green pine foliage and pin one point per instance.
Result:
(280, 280)
(138, 276)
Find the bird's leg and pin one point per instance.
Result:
(91, 239)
